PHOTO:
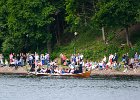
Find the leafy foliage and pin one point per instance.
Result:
(39, 25)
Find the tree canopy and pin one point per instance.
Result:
(37, 25)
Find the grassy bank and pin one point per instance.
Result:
(90, 43)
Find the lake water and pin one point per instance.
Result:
(60, 88)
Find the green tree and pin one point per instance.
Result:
(24, 20)
(79, 12)
(117, 13)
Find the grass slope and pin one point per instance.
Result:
(90, 43)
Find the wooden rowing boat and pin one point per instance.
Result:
(79, 75)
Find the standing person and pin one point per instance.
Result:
(115, 58)
(42, 58)
(77, 60)
(110, 58)
(81, 56)
(123, 58)
(127, 59)
(27, 58)
(11, 58)
(24, 59)
(136, 56)
(48, 57)
(63, 57)
(36, 58)
(1, 60)
(139, 58)
(33, 63)
(30, 60)
(46, 63)
(21, 59)
(18, 60)
(126, 63)
(72, 58)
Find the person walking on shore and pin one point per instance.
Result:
(1, 59)
(115, 58)
(136, 56)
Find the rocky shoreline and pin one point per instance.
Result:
(12, 70)
(109, 72)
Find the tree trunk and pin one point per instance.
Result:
(58, 31)
(103, 33)
(94, 7)
(127, 36)
(85, 14)
(49, 46)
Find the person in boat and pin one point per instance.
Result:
(71, 71)
(72, 65)
(76, 71)
(67, 70)
(63, 71)
(42, 70)
(94, 65)
(57, 70)
(68, 62)
(77, 59)
(39, 66)
(115, 65)
(39, 69)
(48, 70)
(51, 70)
(80, 66)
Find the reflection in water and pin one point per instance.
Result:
(64, 88)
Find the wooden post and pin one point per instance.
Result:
(127, 36)
(35, 66)
(103, 33)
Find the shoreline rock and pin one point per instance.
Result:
(12, 70)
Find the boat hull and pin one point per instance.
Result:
(79, 75)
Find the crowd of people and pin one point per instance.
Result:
(16, 60)
(76, 63)
(106, 63)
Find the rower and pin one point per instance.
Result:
(80, 66)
